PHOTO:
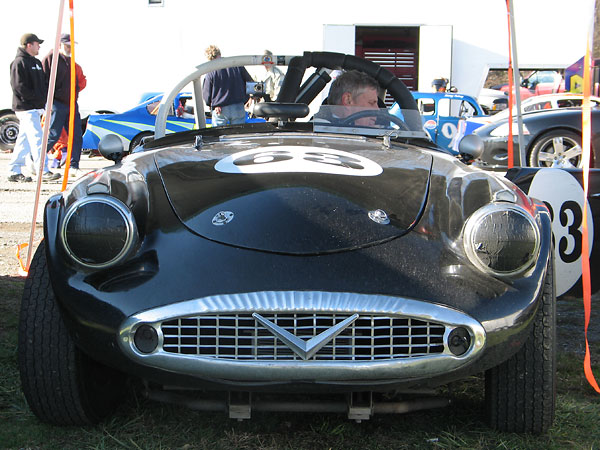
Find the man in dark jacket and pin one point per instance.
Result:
(29, 98)
(62, 102)
(224, 91)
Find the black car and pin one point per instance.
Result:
(231, 267)
(552, 138)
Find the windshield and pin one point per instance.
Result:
(369, 122)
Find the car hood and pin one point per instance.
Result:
(297, 199)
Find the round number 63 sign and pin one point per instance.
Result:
(563, 195)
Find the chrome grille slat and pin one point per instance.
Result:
(238, 337)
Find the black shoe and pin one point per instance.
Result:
(50, 176)
(19, 178)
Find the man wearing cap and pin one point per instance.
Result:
(29, 98)
(62, 101)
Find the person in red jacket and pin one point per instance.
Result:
(59, 118)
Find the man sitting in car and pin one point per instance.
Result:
(351, 92)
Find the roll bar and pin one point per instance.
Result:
(290, 88)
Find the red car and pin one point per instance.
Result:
(540, 82)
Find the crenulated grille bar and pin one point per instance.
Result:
(240, 337)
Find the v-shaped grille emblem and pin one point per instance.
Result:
(305, 349)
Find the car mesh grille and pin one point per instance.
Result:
(240, 337)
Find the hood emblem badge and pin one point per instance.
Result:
(305, 349)
(379, 216)
(222, 218)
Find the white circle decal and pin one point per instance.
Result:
(563, 195)
(284, 158)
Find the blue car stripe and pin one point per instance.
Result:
(127, 130)
(100, 132)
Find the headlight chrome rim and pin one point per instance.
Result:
(124, 212)
(471, 227)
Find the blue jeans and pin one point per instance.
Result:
(59, 120)
(230, 114)
(29, 141)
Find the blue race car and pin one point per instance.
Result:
(134, 125)
(441, 112)
(137, 123)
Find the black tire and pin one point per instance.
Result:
(9, 130)
(61, 384)
(552, 147)
(137, 140)
(520, 394)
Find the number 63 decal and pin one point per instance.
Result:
(290, 159)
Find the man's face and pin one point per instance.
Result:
(366, 100)
(33, 48)
(66, 49)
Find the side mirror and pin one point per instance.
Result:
(111, 147)
(471, 147)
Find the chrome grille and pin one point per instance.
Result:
(240, 337)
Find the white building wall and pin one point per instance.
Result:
(127, 47)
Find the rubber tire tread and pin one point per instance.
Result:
(50, 365)
(10, 118)
(520, 394)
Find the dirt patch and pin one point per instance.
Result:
(11, 235)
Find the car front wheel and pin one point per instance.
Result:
(137, 140)
(520, 394)
(62, 385)
(9, 130)
(557, 148)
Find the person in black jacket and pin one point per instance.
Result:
(61, 105)
(224, 91)
(30, 89)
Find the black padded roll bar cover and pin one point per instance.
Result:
(384, 77)
(336, 61)
(330, 60)
(291, 81)
(319, 80)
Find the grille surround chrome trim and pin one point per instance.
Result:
(271, 302)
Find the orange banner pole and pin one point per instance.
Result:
(585, 249)
(72, 99)
(46, 131)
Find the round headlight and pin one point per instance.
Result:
(502, 239)
(98, 231)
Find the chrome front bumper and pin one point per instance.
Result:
(303, 336)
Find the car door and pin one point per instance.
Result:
(450, 111)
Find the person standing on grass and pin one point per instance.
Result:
(30, 89)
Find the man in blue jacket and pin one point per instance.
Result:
(29, 98)
(224, 91)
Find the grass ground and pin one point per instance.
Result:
(143, 424)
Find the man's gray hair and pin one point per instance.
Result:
(351, 81)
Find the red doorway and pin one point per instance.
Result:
(395, 48)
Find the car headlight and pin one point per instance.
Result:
(98, 231)
(502, 239)
(502, 130)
